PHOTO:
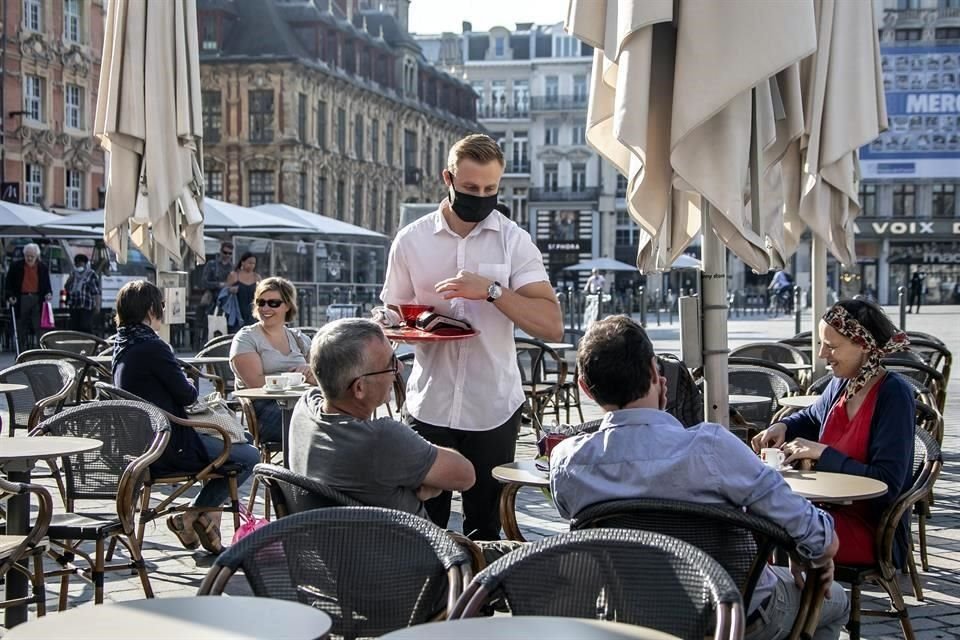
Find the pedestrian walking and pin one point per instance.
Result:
(916, 291)
(28, 287)
(83, 294)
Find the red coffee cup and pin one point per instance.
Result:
(546, 444)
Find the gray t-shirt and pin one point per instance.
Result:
(252, 339)
(379, 462)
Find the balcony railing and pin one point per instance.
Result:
(586, 194)
(517, 167)
(412, 175)
(559, 103)
(491, 111)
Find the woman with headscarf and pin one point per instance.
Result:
(863, 424)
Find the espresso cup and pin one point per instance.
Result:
(772, 457)
(293, 379)
(273, 383)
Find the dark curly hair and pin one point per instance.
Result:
(614, 359)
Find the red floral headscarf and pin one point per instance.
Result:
(848, 326)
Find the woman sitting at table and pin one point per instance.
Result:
(144, 364)
(863, 423)
(270, 347)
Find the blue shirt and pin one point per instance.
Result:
(646, 453)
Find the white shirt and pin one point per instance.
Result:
(472, 384)
(596, 284)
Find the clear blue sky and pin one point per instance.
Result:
(436, 16)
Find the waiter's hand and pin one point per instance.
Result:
(465, 285)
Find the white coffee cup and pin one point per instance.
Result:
(772, 457)
(273, 383)
(292, 379)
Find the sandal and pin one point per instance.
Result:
(187, 537)
(208, 533)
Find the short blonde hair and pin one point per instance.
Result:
(288, 293)
(478, 147)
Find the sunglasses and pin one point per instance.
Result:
(227, 253)
(396, 366)
(273, 304)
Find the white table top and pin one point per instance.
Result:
(8, 387)
(523, 472)
(259, 393)
(739, 399)
(797, 402)
(205, 360)
(839, 488)
(795, 366)
(36, 448)
(196, 618)
(527, 627)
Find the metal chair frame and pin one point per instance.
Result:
(52, 337)
(31, 547)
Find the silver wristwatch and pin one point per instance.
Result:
(494, 291)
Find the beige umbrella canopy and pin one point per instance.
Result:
(671, 107)
(149, 120)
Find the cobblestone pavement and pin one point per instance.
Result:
(178, 572)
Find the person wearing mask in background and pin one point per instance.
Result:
(83, 294)
(28, 285)
(215, 274)
(471, 263)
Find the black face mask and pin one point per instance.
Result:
(470, 208)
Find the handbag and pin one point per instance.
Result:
(46, 316)
(216, 325)
(214, 409)
(248, 524)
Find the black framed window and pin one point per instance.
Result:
(944, 200)
(342, 130)
(261, 115)
(358, 137)
(322, 124)
(302, 117)
(212, 115)
(339, 204)
(214, 181)
(375, 140)
(388, 143)
(904, 200)
(358, 202)
(868, 200)
(260, 189)
(321, 204)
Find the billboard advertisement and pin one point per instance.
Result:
(922, 86)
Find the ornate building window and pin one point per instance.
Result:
(303, 190)
(389, 144)
(944, 200)
(33, 15)
(321, 203)
(579, 175)
(340, 201)
(73, 106)
(322, 124)
(261, 190)
(358, 202)
(261, 115)
(33, 184)
(302, 117)
(868, 199)
(73, 190)
(375, 140)
(33, 98)
(214, 188)
(72, 21)
(212, 115)
(388, 213)
(904, 199)
(358, 137)
(341, 130)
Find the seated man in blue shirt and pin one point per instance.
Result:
(640, 451)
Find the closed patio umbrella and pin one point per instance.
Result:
(148, 119)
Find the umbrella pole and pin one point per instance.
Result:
(714, 324)
(818, 291)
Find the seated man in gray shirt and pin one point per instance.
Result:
(641, 451)
(335, 440)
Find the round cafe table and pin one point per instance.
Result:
(196, 618)
(514, 475)
(8, 387)
(17, 458)
(742, 399)
(797, 402)
(833, 488)
(203, 360)
(286, 398)
(527, 627)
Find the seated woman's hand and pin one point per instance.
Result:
(771, 437)
(802, 449)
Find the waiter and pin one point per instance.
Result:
(470, 262)
(28, 284)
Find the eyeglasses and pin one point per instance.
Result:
(395, 366)
(227, 253)
(273, 304)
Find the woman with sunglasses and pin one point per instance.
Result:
(242, 282)
(269, 347)
(144, 364)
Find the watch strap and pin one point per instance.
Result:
(491, 298)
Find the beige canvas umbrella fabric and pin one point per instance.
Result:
(844, 109)
(149, 120)
(671, 106)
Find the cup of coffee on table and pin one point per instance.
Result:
(772, 457)
(293, 379)
(273, 383)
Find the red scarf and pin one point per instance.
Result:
(851, 436)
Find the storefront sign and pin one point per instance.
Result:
(926, 253)
(922, 88)
(906, 228)
(551, 245)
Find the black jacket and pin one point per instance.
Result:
(149, 370)
(15, 279)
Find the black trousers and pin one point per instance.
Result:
(28, 319)
(81, 320)
(915, 297)
(485, 450)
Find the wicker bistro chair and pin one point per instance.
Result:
(83, 344)
(752, 376)
(227, 337)
(542, 373)
(134, 435)
(636, 577)
(934, 354)
(89, 371)
(930, 421)
(741, 542)
(15, 550)
(221, 369)
(269, 451)
(777, 352)
(293, 493)
(884, 572)
(372, 570)
(217, 468)
(922, 374)
(49, 383)
(196, 375)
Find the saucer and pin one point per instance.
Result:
(273, 389)
(298, 387)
